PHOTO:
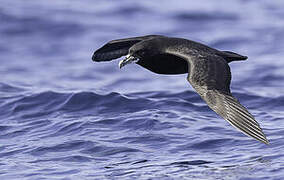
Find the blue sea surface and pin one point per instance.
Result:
(63, 116)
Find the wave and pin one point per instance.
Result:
(48, 102)
(7, 88)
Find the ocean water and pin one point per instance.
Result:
(63, 116)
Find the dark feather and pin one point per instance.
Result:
(231, 110)
(211, 76)
(231, 56)
(208, 72)
(117, 48)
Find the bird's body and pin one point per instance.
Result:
(207, 68)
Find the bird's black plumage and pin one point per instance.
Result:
(207, 68)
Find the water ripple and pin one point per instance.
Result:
(64, 117)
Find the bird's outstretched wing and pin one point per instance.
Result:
(231, 110)
(210, 76)
(117, 48)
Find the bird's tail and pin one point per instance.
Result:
(231, 56)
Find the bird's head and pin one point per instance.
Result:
(138, 52)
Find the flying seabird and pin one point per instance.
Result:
(207, 68)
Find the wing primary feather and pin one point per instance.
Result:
(245, 114)
(117, 48)
(247, 130)
(113, 50)
(231, 110)
(210, 76)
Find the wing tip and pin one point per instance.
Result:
(238, 116)
(265, 140)
(95, 57)
(106, 56)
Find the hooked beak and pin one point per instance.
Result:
(129, 59)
